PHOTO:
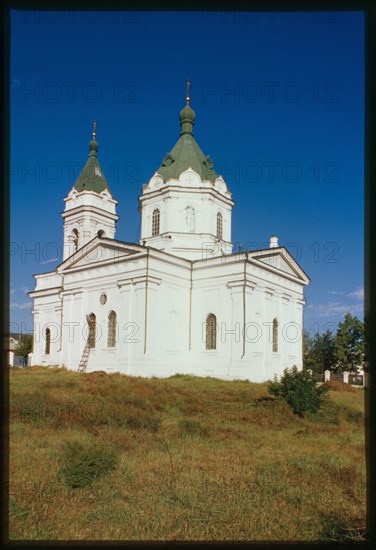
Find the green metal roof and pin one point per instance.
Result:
(187, 153)
(92, 177)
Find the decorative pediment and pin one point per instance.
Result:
(281, 260)
(278, 262)
(221, 187)
(155, 182)
(190, 178)
(100, 251)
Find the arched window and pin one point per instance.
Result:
(48, 342)
(275, 335)
(111, 331)
(155, 222)
(92, 322)
(75, 239)
(219, 226)
(189, 219)
(211, 331)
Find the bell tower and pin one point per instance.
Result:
(90, 209)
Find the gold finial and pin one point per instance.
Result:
(94, 129)
(187, 98)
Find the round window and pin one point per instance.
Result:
(103, 299)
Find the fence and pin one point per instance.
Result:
(346, 377)
(19, 361)
(338, 377)
(318, 376)
(356, 379)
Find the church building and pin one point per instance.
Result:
(179, 301)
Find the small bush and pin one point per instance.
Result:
(146, 422)
(126, 470)
(16, 508)
(151, 423)
(336, 529)
(191, 428)
(134, 422)
(33, 408)
(299, 390)
(83, 463)
(355, 416)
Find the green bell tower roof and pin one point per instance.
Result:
(91, 177)
(186, 152)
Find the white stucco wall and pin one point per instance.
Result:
(175, 296)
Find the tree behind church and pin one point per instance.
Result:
(349, 344)
(25, 346)
(342, 351)
(319, 352)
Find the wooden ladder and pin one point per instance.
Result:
(85, 358)
(85, 355)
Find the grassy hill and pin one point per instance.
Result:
(110, 457)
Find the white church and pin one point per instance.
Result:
(180, 301)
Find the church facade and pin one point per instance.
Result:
(179, 301)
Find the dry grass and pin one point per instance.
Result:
(196, 459)
(336, 385)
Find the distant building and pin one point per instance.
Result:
(180, 300)
(10, 344)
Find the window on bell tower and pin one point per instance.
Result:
(189, 219)
(155, 222)
(219, 226)
(75, 239)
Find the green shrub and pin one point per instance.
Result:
(189, 428)
(299, 390)
(133, 422)
(336, 529)
(151, 423)
(83, 463)
(145, 422)
(329, 413)
(355, 416)
(126, 469)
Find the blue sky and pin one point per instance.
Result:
(279, 101)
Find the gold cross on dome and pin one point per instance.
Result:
(187, 98)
